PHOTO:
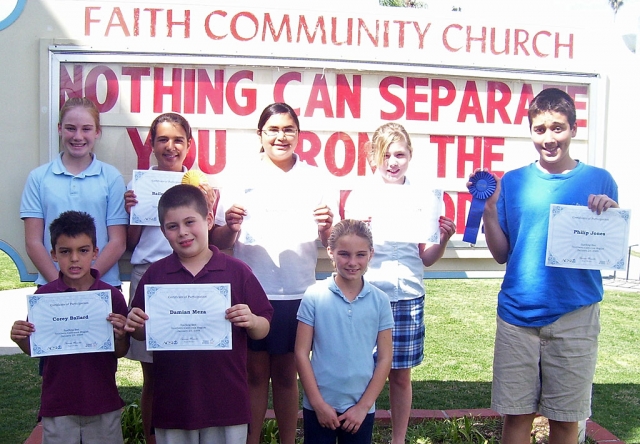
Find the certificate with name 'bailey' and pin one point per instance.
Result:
(581, 238)
(187, 317)
(70, 322)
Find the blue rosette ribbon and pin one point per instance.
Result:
(483, 185)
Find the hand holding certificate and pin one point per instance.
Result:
(68, 323)
(187, 317)
(581, 238)
(149, 185)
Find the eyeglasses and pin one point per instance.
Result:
(273, 132)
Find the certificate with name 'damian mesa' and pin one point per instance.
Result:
(187, 317)
(581, 238)
(70, 322)
(149, 186)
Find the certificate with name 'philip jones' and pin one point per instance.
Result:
(68, 323)
(581, 238)
(187, 317)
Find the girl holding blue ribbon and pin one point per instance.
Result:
(397, 268)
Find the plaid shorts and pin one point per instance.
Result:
(408, 332)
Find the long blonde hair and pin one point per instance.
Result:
(384, 136)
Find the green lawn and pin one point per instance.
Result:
(456, 373)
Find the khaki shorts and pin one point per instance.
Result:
(74, 429)
(219, 435)
(138, 349)
(548, 370)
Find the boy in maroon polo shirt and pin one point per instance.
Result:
(80, 400)
(201, 396)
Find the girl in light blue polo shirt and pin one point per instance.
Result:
(341, 320)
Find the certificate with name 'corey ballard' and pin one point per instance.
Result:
(70, 322)
(581, 238)
(187, 317)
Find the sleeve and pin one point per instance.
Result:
(116, 214)
(256, 298)
(138, 298)
(306, 311)
(222, 206)
(502, 210)
(118, 303)
(386, 315)
(31, 204)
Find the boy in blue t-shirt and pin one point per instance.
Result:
(548, 317)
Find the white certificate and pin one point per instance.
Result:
(68, 323)
(269, 209)
(149, 186)
(580, 238)
(407, 213)
(187, 317)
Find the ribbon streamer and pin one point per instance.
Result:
(482, 187)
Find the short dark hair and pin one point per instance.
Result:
(72, 224)
(553, 100)
(182, 195)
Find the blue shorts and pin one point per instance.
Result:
(282, 334)
(314, 433)
(408, 333)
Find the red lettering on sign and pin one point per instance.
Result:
(438, 101)
(346, 96)
(174, 89)
(498, 105)
(348, 32)
(319, 97)
(88, 19)
(211, 93)
(136, 75)
(526, 96)
(249, 95)
(394, 100)
(482, 39)
(204, 152)
(112, 87)
(234, 26)
(348, 154)
(285, 26)
(445, 37)
(470, 103)
(117, 20)
(413, 97)
(315, 146)
(186, 23)
(281, 84)
(207, 25)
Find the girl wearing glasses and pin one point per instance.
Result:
(273, 225)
